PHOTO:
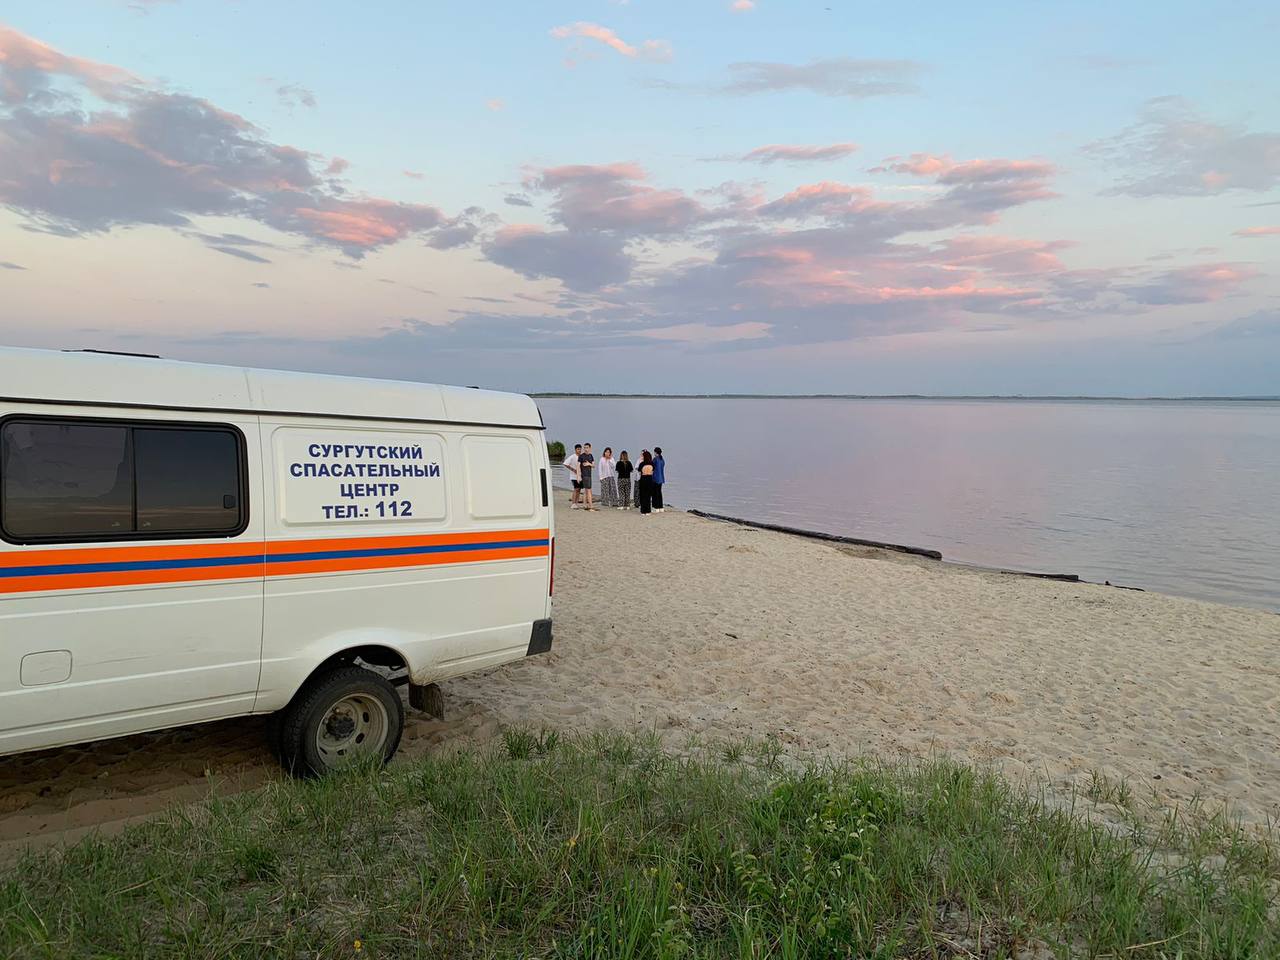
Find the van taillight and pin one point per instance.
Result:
(551, 583)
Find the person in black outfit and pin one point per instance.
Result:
(624, 468)
(645, 494)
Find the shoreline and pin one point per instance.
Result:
(929, 553)
(559, 482)
(992, 398)
(926, 552)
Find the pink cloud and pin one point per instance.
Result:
(96, 148)
(28, 64)
(366, 224)
(1224, 273)
(984, 171)
(151, 157)
(517, 231)
(843, 269)
(796, 153)
(825, 199)
(555, 177)
(1004, 255)
(1202, 283)
(979, 189)
(973, 192)
(826, 268)
(742, 6)
(781, 256)
(946, 170)
(657, 50)
(966, 290)
(495, 104)
(918, 164)
(809, 282)
(853, 256)
(614, 197)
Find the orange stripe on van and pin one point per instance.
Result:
(178, 551)
(129, 578)
(381, 543)
(356, 564)
(55, 569)
(196, 551)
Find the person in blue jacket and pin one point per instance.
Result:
(659, 478)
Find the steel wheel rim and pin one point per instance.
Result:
(355, 726)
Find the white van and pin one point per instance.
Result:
(182, 543)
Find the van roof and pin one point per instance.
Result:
(116, 380)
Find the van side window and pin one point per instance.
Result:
(66, 479)
(87, 480)
(183, 477)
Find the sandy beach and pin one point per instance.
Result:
(696, 627)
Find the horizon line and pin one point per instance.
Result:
(563, 394)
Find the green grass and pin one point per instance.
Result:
(611, 847)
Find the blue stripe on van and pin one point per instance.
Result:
(404, 551)
(59, 569)
(56, 569)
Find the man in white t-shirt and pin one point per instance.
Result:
(575, 472)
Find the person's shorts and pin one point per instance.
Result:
(586, 481)
(577, 484)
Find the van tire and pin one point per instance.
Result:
(326, 723)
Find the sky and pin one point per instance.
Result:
(635, 195)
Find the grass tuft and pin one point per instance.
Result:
(609, 846)
(524, 744)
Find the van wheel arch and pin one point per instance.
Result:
(367, 655)
(375, 654)
(344, 693)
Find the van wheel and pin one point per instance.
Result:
(340, 717)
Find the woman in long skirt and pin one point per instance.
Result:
(608, 479)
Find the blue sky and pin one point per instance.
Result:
(1001, 198)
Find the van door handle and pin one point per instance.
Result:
(228, 502)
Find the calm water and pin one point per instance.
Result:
(1182, 498)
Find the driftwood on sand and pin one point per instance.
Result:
(818, 535)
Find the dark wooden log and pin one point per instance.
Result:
(818, 535)
(1064, 577)
(900, 548)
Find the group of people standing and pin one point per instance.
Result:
(616, 477)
